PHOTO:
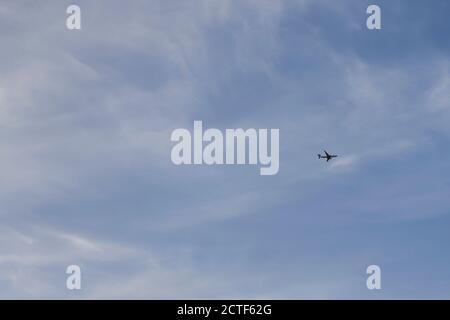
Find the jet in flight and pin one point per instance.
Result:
(326, 156)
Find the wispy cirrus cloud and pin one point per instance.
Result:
(86, 177)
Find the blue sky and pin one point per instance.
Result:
(86, 175)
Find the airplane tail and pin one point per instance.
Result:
(318, 155)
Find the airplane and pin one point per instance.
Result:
(327, 156)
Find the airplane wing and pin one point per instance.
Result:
(326, 153)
